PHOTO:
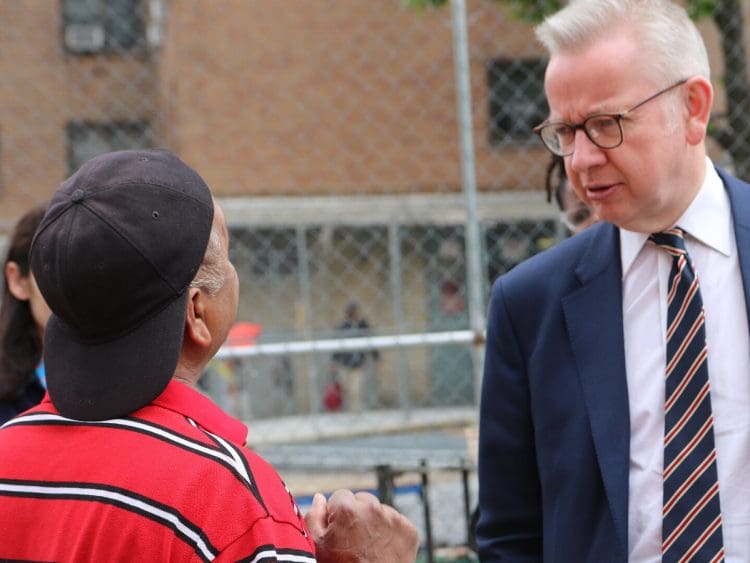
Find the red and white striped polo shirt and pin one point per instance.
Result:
(171, 482)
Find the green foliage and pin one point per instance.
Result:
(422, 4)
(701, 8)
(534, 10)
(528, 10)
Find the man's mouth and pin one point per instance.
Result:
(598, 192)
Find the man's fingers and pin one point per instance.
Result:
(317, 517)
(358, 528)
(366, 498)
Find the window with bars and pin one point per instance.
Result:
(517, 102)
(88, 139)
(103, 26)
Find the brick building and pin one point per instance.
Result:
(329, 129)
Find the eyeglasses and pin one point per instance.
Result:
(602, 129)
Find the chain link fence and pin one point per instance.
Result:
(366, 155)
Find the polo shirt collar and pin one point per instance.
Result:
(185, 400)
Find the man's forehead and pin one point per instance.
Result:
(578, 85)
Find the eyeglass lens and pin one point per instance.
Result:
(603, 130)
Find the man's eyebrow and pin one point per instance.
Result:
(595, 111)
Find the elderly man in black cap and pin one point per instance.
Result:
(124, 458)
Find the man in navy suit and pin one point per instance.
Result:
(571, 445)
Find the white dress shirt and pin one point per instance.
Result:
(712, 246)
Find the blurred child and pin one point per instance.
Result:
(23, 316)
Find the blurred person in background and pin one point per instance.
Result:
(354, 367)
(23, 315)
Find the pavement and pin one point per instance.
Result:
(320, 427)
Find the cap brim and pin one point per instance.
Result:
(115, 378)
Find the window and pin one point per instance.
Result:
(516, 99)
(88, 139)
(97, 26)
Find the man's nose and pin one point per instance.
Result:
(585, 154)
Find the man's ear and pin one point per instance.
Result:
(698, 102)
(196, 327)
(18, 284)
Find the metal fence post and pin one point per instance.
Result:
(305, 291)
(385, 484)
(473, 244)
(426, 505)
(467, 501)
(394, 252)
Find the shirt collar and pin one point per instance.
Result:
(707, 219)
(190, 402)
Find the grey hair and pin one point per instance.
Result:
(671, 42)
(211, 274)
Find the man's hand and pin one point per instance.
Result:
(358, 528)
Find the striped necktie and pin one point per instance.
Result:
(691, 525)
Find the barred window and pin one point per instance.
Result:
(88, 139)
(517, 101)
(103, 26)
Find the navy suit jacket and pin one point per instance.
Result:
(554, 437)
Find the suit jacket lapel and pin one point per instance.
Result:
(593, 315)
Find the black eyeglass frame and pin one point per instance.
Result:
(617, 117)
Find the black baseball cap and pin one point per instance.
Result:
(114, 256)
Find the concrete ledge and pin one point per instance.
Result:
(326, 426)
